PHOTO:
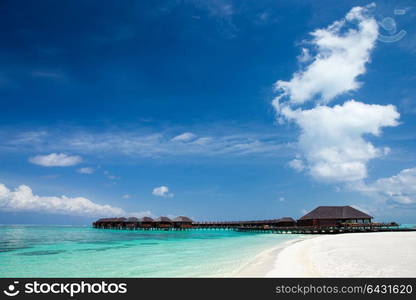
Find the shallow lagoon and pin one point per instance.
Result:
(69, 251)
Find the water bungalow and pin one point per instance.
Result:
(182, 222)
(323, 219)
(131, 222)
(163, 222)
(334, 215)
(145, 222)
(285, 222)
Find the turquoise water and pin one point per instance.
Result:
(407, 226)
(59, 251)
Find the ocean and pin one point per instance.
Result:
(76, 251)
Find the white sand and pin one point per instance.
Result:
(382, 254)
(263, 263)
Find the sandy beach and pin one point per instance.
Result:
(263, 263)
(383, 254)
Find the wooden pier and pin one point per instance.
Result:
(327, 229)
(321, 220)
(261, 226)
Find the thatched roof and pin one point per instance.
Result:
(132, 219)
(163, 219)
(335, 212)
(108, 220)
(146, 219)
(285, 219)
(182, 219)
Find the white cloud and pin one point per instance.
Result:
(136, 143)
(55, 160)
(184, 137)
(332, 139)
(22, 199)
(400, 188)
(305, 56)
(86, 170)
(203, 141)
(162, 191)
(282, 199)
(342, 50)
(140, 214)
(297, 165)
(30, 137)
(126, 196)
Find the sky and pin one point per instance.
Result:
(217, 110)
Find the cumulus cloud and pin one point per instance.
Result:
(341, 53)
(55, 160)
(162, 191)
(86, 170)
(400, 188)
(332, 139)
(140, 214)
(305, 56)
(297, 165)
(22, 199)
(184, 137)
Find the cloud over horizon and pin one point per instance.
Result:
(22, 199)
(399, 188)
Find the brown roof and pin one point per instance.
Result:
(102, 220)
(163, 219)
(146, 219)
(182, 219)
(335, 212)
(132, 219)
(285, 219)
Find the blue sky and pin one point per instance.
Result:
(211, 109)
